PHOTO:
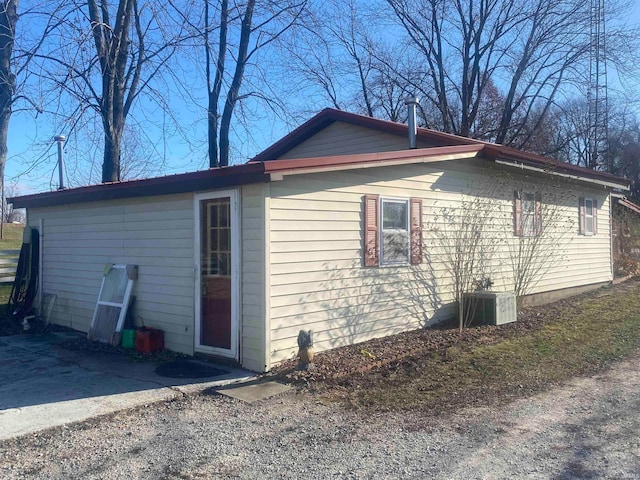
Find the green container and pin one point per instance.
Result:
(128, 338)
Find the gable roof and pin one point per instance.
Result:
(330, 115)
(264, 168)
(496, 151)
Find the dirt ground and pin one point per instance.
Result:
(413, 354)
(586, 429)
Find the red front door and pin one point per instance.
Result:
(216, 273)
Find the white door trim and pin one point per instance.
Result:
(235, 273)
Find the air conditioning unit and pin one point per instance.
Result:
(492, 308)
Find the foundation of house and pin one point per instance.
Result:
(554, 295)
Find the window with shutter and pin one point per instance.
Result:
(538, 215)
(517, 214)
(527, 214)
(587, 209)
(392, 231)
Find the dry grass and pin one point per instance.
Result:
(11, 236)
(582, 337)
(11, 240)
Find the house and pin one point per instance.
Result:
(333, 228)
(625, 235)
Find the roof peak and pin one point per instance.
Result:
(327, 116)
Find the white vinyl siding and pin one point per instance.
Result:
(342, 138)
(253, 277)
(155, 233)
(317, 280)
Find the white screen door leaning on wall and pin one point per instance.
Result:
(113, 301)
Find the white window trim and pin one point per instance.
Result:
(526, 233)
(587, 232)
(381, 230)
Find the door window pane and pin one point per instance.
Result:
(216, 235)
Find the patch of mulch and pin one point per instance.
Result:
(10, 326)
(341, 365)
(84, 345)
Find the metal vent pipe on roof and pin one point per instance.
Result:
(411, 104)
(60, 139)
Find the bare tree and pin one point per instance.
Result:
(17, 51)
(533, 52)
(120, 78)
(8, 21)
(483, 240)
(253, 25)
(342, 55)
(463, 238)
(108, 55)
(10, 214)
(532, 254)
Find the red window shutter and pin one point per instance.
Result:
(538, 214)
(517, 214)
(416, 231)
(371, 231)
(595, 216)
(581, 221)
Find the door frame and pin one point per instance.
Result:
(236, 244)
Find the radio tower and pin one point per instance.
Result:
(597, 144)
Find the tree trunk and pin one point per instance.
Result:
(111, 161)
(215, 88)
(234, 89)
(8, 20)
(112, 47)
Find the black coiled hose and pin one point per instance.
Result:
(25, 286)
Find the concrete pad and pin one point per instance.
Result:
(43, 384)
(253, 391)
(19, 421)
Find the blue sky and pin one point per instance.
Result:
(31, 163)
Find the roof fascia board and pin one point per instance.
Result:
(136, 189)
(383, 163)
(523, 166)
(365, 160)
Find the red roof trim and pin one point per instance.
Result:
(330, 115)
(538, 161)
(179, 183)
(275, 166)
(258, 169)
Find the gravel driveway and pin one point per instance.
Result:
(586, 429)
